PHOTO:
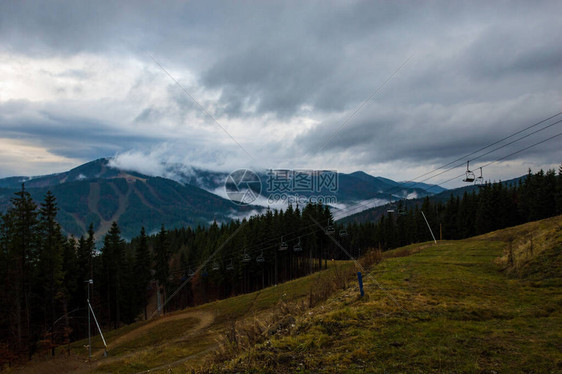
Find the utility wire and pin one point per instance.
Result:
(202, 107)
(262, 246)
(409, 184)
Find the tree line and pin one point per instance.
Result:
(45, 274)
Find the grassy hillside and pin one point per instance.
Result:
(456, 307)
(180, 339)
(490, 304)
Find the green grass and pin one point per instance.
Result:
(156, 335)
(453, 307)
(240, 306)
(459, 306)
(166, 342)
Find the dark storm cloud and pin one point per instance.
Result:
(480, 70)
(432, 133)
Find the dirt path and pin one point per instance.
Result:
(205, 320)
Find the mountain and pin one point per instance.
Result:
(375, 213)
(98, 193)
(432, 188)
(347, 188)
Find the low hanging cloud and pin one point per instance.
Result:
(145, 163)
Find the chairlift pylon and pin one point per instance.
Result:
(469, 175)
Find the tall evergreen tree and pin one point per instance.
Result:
(21, 245)
(50, 260)
(113, 260)
(162, 260)
(142, 271)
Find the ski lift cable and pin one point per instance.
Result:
(361, 267)
(359, 205)
(409, 185)
(486, 165)
(490, 145)
(205, 111)
(509, 155)
(482, 155)
(487, 153)
(364, 103)
(234, 256)
(182, 285)
(481, 167)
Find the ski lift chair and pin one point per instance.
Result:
(297, 247)
(343, 233)
(284, 246)
(260, 259)
(330, 230)
(402, 209)
(391, 206)
(230, 266)
(469, 176)
(479, 181)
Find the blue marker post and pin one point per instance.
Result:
(360, 280)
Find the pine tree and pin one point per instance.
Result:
(162, 259)
(21, 246)
(142, 271)
(50, 257)
(113, 259)
(84, 265)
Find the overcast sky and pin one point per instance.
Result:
(391, 88)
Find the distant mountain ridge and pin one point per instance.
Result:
(375, 213)
(97, 193)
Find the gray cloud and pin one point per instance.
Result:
(65, 134)
(480, 71)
